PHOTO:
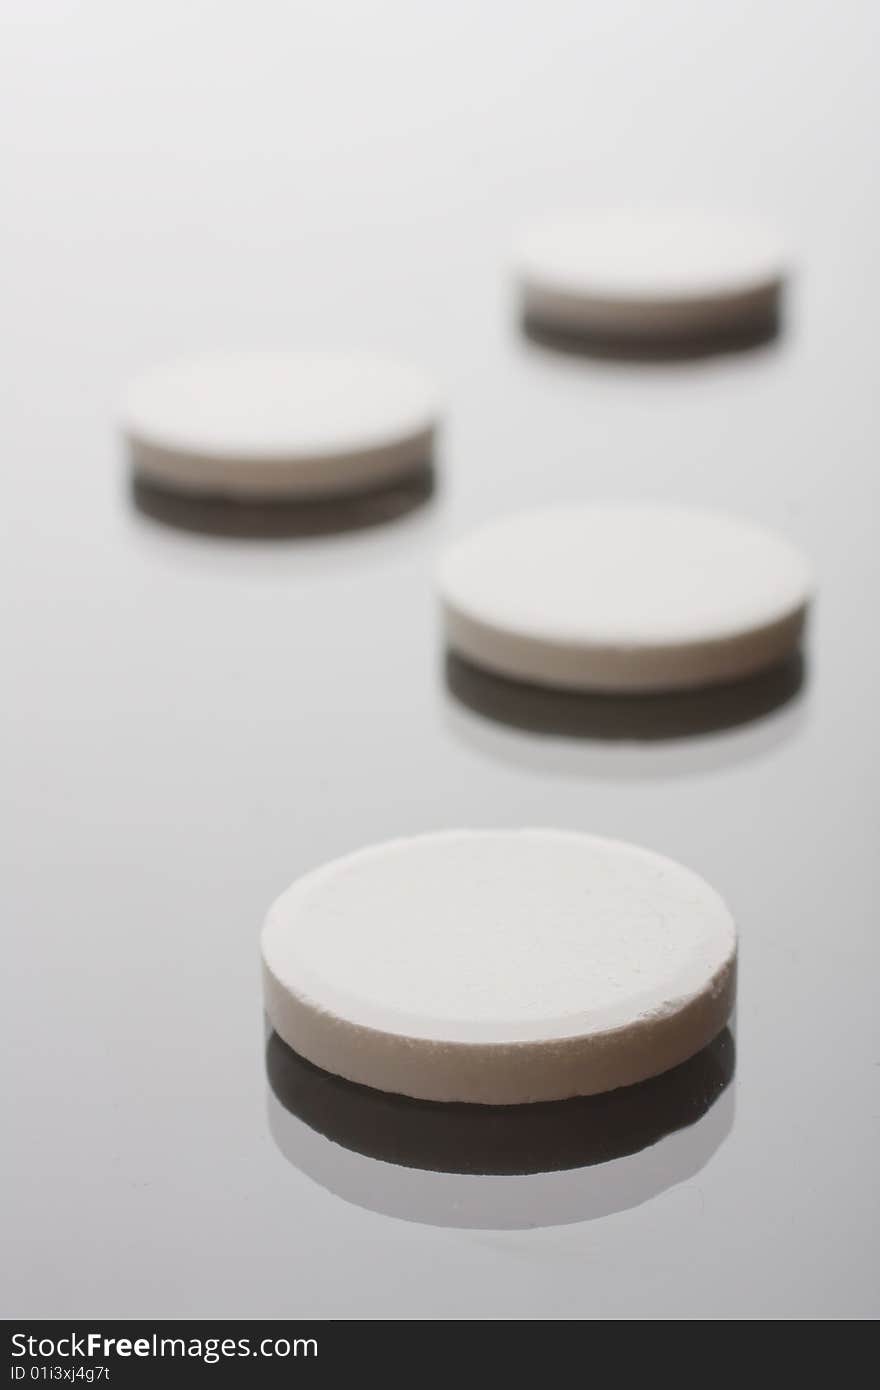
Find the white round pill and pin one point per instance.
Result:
(650, 274)
(275, 425)
(499, 966)
(624, 597)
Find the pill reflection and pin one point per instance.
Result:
(496, 1167)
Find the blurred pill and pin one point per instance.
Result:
(650, 275)
(624, 597)
(274, 425)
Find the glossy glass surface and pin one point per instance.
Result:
(201, 705)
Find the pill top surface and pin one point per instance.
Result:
(278, 405)
(649, 256)
(625, 574)
(508, 934)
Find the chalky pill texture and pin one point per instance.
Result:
(499, 966)
(623, 597)
(279, 425)
(649, 273)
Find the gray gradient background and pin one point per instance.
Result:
(191, 722)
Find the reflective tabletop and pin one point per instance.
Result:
(203, 701)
